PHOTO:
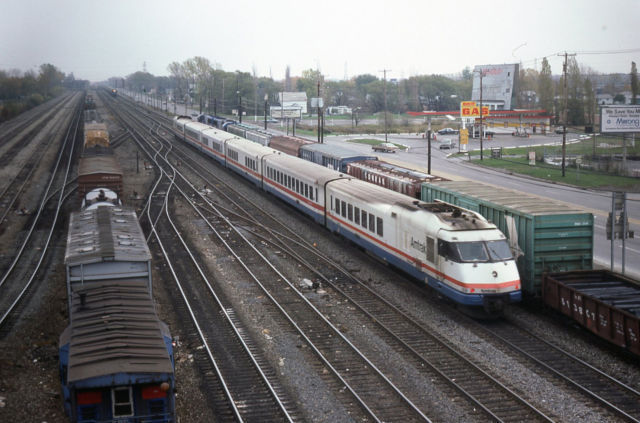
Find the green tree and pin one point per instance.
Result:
(545, 86)
(575, 95)
(589, 101)
(308, 82)
(528, 82)
(49, 80)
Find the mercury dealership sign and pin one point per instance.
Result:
(620, 119)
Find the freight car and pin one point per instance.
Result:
(95, 134)
(116, 357)
(397, 178)
(455, 251)
(288, 145)
(89, 102)
(544, 236)
(332, 156)
(606, 303)
(99, 171)
(98, 168)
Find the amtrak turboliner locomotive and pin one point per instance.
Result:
(455, 251)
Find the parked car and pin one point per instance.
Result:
(447, 131)
(559, 130)
(385, 147)
(446, 144)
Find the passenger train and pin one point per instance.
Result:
(115, 357)
(455, 251)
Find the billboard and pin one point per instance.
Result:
(620, 119)
(278, 112)
(294, 100)
(499, 85)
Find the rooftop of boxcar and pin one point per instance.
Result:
(99, 163)
(114, 329)
(105, 234)
(506, 198)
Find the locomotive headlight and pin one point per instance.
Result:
(495, 274)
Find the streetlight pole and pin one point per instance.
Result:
(239, 97)
(318, 110)
(266, 96)
(384, 71)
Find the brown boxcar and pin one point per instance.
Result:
(288, 145)
(606, 303)
(390, 176)
(101, 171)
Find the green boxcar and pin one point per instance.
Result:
(545, 235)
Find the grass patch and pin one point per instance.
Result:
(599, 146)
(370, 141)
(573, 176)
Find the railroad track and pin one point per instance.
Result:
(600, 390)
(14, 186)
(620, 398)
(484, 391)
(9, 130)
(232, 366)
(385, 402)
(19, 280)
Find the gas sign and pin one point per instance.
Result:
(472, 109)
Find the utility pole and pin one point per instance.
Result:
(564, 106)
(481, 124)
(384, 71)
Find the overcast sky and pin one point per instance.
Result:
(99, 39)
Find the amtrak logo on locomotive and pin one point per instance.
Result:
(420, 246)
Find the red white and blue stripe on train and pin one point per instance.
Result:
(455, 251)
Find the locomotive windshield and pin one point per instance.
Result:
(476, 251)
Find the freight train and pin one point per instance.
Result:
(115, 357)
(455, 251)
